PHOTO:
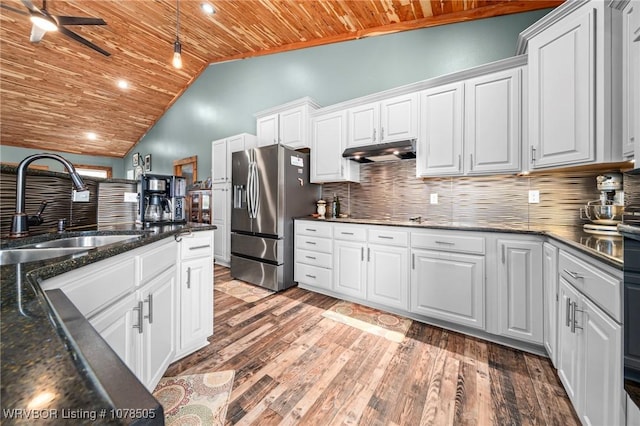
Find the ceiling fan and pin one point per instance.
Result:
(43, 22)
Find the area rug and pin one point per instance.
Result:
(197, 399)
(391, 327)
(242, 290)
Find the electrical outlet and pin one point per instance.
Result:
(80, 196)
(434, 198)
(534, 196)
(130, 197)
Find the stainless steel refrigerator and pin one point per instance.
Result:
(270, 187)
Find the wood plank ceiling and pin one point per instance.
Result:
(53, 93)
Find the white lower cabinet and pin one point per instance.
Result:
(448, 286)
(520, 289)
(313, 254)
(387, 277)
(550, 317)
(140, 328)
(590, 340)
(350, 268)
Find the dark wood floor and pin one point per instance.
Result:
(294, 366)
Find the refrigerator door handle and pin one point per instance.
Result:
(256, 190)
(250, 190)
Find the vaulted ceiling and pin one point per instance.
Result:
(53, 93)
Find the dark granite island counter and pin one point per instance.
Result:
(55, 368)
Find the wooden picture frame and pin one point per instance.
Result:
(147, 163)
(136, 159)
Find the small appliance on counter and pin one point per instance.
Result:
(161, 199)
(605, 213)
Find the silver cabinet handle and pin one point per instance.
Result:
(413, 261)
(374, 135)
(361, 254)
(189, 277)
(310, 257)
(447, 243)
(150, 302)
(384, 237)
(533, 153)
(573, 275)
(574, 322)
(368, 254)
(310, 276)
(471, 162)
(199, 247)
(503, 254)
(140, 324)
(310, 229)
(346, 233)
(567, 319)
(382, 134)
(311, 242)
(459, 162)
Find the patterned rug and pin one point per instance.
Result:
(390, 326)
(197, 399)
(242, 290)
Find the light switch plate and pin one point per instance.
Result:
(130, 197)
(434, 199)
(534, 196)
(80, 196)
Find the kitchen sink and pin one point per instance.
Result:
(88, 241)
(24, 255)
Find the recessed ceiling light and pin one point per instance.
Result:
(207, 8)
(92, 136)
(123, 84)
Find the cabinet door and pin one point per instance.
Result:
(399, 118)
(267, 130)
(118, 326)
(219, 161)
(492, 122)
(562, 92)
(328, 140)
(568, 360)
(159, 336)
(520, 290)
(196, 302)
(448, 286)
(293, 129)
(630, 78)
(601, 369)
(550, 318)
(363, 125)
(235, 144)
(222, 238)
(440, 144)
(388, 276)
(350, 268)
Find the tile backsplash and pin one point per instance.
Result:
(390, 190)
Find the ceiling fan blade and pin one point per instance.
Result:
(36, 34)
(30, 6)
(82, 40)
(13, 9)
(77, 20)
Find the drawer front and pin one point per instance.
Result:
(602, 288)
(350, 233)
(157, 259)
(313, 275)
(323, 245)
(316, 229)
(386, 236)
(198, 244)
(324, 260)
(448, 242)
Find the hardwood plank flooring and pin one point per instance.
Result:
(296, 367)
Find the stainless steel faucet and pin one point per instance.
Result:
(21, 221)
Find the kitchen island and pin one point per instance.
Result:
(55, 367)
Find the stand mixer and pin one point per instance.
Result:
(606, 212)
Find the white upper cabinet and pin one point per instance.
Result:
(389, 120)
(574, 112)
(285, 124)
(472, 126)
(328, 141)
(492, 136)
(221, 151)
(441, 126)
(631, 80)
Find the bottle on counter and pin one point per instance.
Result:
(336, 206)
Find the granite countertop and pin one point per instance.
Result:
(607, 249)
(45, 373)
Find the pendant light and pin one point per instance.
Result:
(177, 47)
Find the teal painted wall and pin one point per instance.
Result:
(223, 100)
(12, 154)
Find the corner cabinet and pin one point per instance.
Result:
(285, 124)
(328, 141)
(574, 116)
(520, 289)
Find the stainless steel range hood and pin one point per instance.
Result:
(401, 150)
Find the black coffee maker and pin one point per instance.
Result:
(154, 204)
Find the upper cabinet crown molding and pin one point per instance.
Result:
(287, 106)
